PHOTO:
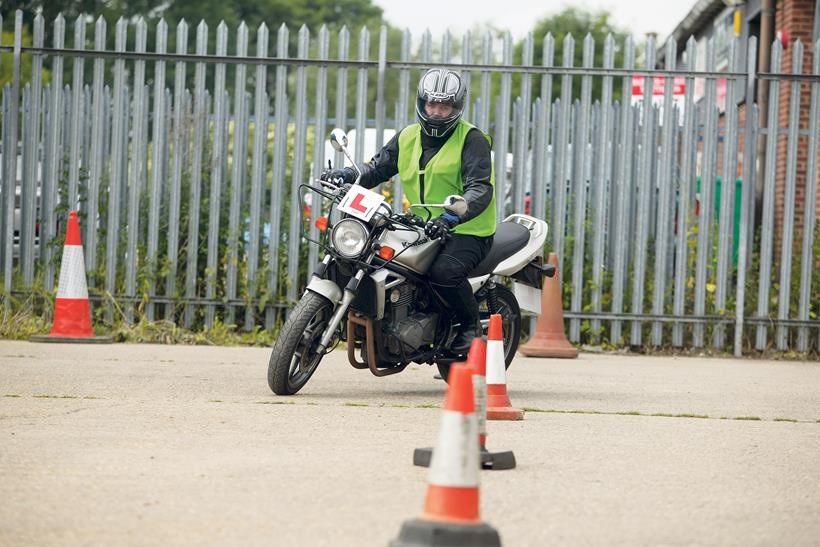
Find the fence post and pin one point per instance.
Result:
(727, 201)
(787, 238)
(280, 149)
(502, 129)
(218, 164)
(599, 183)
(239, 165)
(707, 181)
(201, 109)
(580, 142)
(750, 133)
(809, 220)
(319, 139)
(361, 97)
(10, 178)
(258, 169)
(297, 170)
(644, 196)
(767, 223)
(28, 187)
(174, 199)
(664, 218)
(687, 176)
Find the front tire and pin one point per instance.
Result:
(294, 359)
(510, 323)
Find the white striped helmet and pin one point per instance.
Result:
(440, 85)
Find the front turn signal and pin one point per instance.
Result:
(321, 224)
(386, 253)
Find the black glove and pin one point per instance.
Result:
(339, 176)
(440, 226)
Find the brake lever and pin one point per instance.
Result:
(326, 184)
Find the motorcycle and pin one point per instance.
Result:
(371, 291)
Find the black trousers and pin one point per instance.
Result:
(448, 274)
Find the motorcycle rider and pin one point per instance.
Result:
(439, 156)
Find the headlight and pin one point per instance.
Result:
(349, 238)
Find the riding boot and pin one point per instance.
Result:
(462, 302)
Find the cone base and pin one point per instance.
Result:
(505, 413)
(426, 533)
(495, 461)
(57, 339)
(549, 345)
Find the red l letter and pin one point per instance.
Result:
(357, 204)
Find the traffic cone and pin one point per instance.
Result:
(72, 312)
(549, 339)
(477, 362)
(451, 511)
(499, 406)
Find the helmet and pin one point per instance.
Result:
(440, 85)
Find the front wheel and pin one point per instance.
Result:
(507, 306)
(294, 358)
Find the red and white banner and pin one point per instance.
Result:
(658, 86)
(658, 89)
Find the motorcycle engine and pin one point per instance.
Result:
(407, 328)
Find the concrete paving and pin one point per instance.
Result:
(170, 445)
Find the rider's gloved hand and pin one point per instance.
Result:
(339, 176)
(440, 226)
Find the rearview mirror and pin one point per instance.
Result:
(456, 204)
(338, 140)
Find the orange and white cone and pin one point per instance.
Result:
(477, 361)
(72, 311)
(549, 338)
(451, 511)
(499, 406)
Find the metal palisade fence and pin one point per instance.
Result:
(185, 161)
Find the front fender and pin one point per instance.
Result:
(326, 288)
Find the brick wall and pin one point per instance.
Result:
(795, 18)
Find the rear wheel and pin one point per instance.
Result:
(294, 358)
(507, 306)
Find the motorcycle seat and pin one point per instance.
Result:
(510, 237)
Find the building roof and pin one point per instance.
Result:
(701, 14)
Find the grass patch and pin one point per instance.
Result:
(427, 405)
(275, 403)
(11, 395)
(45, 396)
(684, 415)
(399, 406)
(215, 401)
(654, 414)
(356, 404)
(32, 313)
(21, 321)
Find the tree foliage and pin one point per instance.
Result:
(579, 23)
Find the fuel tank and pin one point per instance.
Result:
(415, 257)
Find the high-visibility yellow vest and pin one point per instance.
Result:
(441, 176)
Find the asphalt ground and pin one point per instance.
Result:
(173, 445)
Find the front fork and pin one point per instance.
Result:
(349, 294)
